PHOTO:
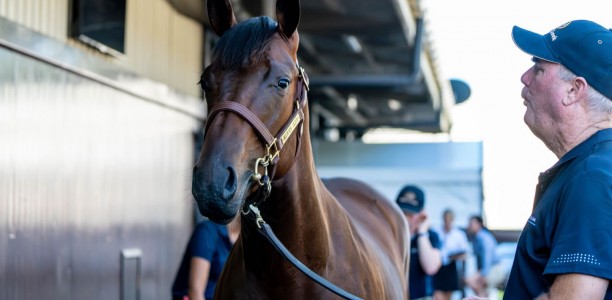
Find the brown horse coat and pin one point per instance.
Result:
(342, 229)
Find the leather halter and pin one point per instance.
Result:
(277, 142)
(271, 142)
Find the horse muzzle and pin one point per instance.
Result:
(218, 196)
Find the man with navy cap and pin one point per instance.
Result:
(425, 258)
(565, 248)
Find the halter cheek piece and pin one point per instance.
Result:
(272, 144)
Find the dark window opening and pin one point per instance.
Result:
(100, 24)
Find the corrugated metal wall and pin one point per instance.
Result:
(85, 172)
(155, 32)
(94, 163)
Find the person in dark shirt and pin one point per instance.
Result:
(203, 260)
(564, 251)
(425, 258)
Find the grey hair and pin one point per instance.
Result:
(597, 102)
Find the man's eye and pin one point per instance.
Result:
(283, 83)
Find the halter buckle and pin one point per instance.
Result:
(258, 219)
(273, 156)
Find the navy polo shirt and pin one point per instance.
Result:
(211, 242)
(419, 283)
(570, 229)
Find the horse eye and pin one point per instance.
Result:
(203, 85)
(283, 83)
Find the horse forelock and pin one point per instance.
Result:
(243, 44)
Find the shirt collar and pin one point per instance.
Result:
(598, 137)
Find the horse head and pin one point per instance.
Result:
(254, 89)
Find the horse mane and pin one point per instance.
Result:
(252, 35)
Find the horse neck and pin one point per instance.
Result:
(297, 212)
(299, 198)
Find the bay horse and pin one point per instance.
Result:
(342, 229)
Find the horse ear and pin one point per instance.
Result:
(220, 15)
(288, 15)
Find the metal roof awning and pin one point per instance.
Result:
(369, 62)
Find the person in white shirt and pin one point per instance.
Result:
(454, 247)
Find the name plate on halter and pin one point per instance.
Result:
(294, 122)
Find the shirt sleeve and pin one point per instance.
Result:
(203, 240)
(582, 239)
(488, 252)
(434, 239)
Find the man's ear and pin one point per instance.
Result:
(578, 91)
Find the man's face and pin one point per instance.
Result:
(473, 226)
(448, 219)
(414, 220)
(543, 93)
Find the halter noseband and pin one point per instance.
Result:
(272, 144)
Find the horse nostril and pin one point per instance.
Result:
(231, 184)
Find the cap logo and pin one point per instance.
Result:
(582, 46)
(553, 36)
(564, 25)
(409, 198)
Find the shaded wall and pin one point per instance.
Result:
(87, 170)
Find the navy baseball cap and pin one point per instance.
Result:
(411, 199)
(583, 47)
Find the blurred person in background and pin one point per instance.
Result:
(425, 260)
(203, 260)
(490, 273)
(454, 248)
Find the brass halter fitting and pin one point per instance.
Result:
(265, 161)
(272, 156)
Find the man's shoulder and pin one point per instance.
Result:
(591, 153)
(433, 234)
(434, 238)
(601, 148)
(600, 158)
(486, 235)
(593, 166)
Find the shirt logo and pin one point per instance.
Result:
(532, 220)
